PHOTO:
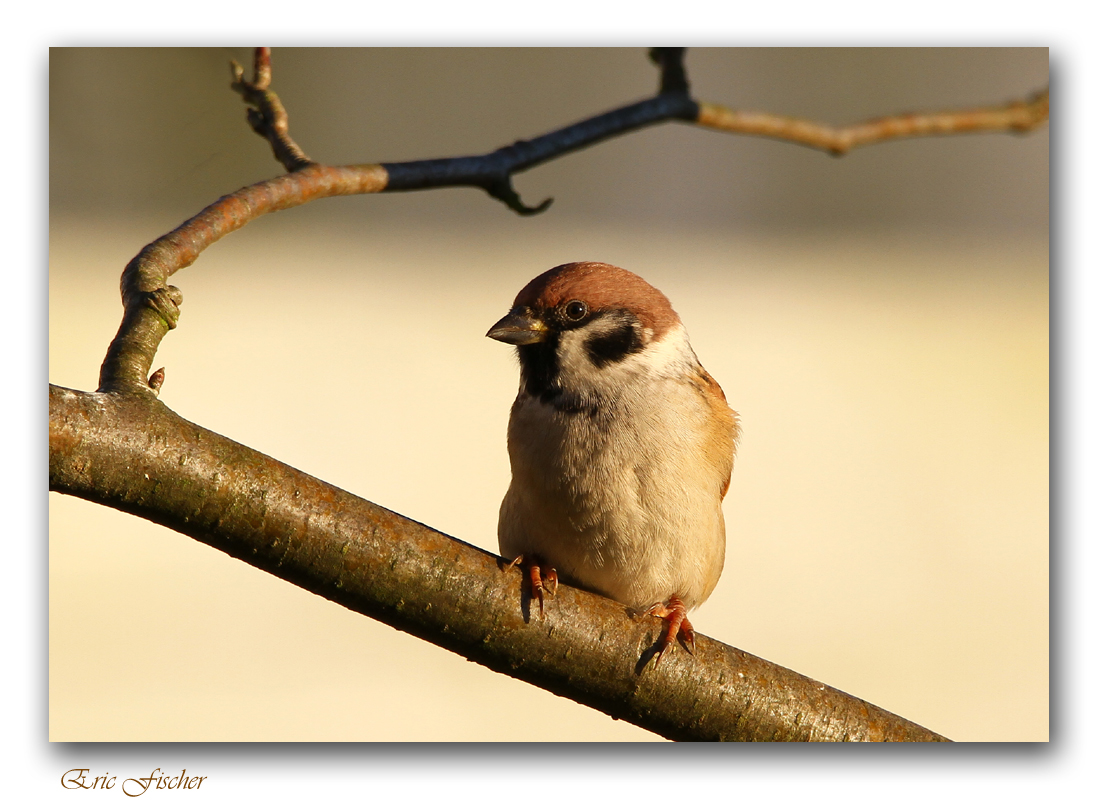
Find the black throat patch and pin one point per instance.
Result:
(539, 368)
(539, 374)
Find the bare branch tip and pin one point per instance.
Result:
(504, 191)
(674, 78)
(262, 68)
(524, 210)
(1042, 102)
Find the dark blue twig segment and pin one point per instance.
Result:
(493, 171)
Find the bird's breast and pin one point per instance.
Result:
(620, 495)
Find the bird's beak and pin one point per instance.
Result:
(518, 327)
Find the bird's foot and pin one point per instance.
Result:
(677, 627)
(542, 580)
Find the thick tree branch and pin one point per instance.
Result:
(134, 454)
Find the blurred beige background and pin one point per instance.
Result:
(879, 321)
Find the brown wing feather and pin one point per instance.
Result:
(721, 450)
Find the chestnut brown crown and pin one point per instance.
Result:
(601, 287)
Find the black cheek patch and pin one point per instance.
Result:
(614, 345)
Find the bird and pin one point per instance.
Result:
(621, 447)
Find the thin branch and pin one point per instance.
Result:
(1016, 116)
(134, 454)
(152, 307)
(493, 172)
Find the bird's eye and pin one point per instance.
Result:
(576, 309)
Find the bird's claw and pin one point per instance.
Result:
(677, 626)
(543, 582)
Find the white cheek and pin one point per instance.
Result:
(667, 357)
(574, 365)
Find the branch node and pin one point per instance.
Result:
(165, 302)
(147, 317)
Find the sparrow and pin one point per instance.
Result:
(621, 447)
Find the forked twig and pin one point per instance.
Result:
(152, 307)
(266, 114)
